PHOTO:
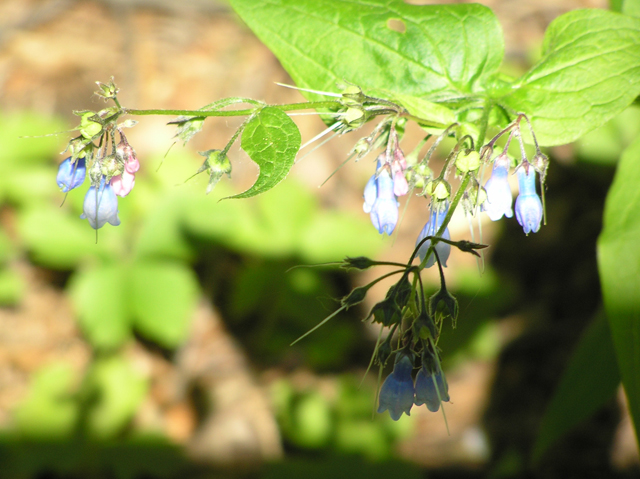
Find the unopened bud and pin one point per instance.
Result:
(89, 127)
(356, 296)
(353, 118)
(359, 262)
(468, 160)
(439, 189)
(449, 301)
(218, 164)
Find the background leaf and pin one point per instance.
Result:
(591, 379)
(100, 302)
(619, 266)
(589, 72)
(119, 390)
(162, 298)
(272, 140)
(444, 51)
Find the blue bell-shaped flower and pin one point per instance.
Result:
(528, 204)
(370, 194)
(438, 214)
(384, 211)
(499, 198)
(426, 391)
(101, 206)
(396, 393)
(71, 174)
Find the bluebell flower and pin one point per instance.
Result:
(528, 204)
(438, 213)
(426, 392)
(396, 393)
(370, 194)
(101, 206)
(71, 175)
(499, 198)
(384, 211)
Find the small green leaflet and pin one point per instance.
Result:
(619, 267)
(272, 140)
(589, 72)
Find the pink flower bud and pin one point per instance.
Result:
(123, 184)
(400, 185)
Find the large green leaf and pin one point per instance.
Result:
(589, 72)
(433, 52)
(590, 379)
(272, 140)
(619, 265)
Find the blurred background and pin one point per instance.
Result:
(163, 350)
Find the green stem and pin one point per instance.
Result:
(484, 124)
(245, 112)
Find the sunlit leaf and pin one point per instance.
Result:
(589, 72)
(99, 296)
(162, 296)
(272, 140)
(433, 52)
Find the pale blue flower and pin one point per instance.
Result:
(384, 211)
(71, 174)
(370, 194)
(528, 204)
(426, 392)
(101, 206)
(438, 213)
(396, 393)
(499, 198)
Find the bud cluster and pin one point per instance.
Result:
(111, 166)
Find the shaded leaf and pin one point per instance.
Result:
(619, 267)
(589, 381)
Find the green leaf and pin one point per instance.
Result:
(590, 380)
(619, 266)
(631, 8)
(100, 302)
(119, 390)
(163, 297)
(439, 52)
(589, 72)
(272, 140)
(49, 410)
(59, 240)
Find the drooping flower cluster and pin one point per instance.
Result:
(399, 392)
(111, 174)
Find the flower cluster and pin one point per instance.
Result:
(111, 174)
(528, 206)
(400, 392)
